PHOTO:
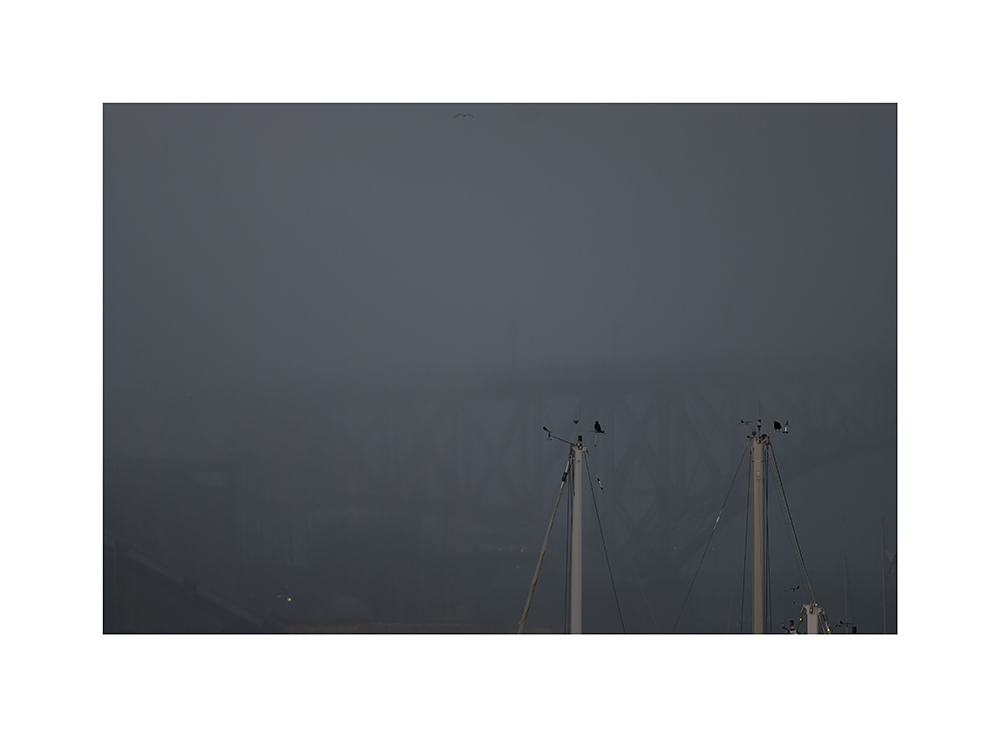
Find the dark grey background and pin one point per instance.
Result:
(296, 296)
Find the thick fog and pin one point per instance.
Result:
(333, 333)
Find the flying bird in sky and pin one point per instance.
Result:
(464, 115)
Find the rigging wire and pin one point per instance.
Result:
(634, 572)
(545, 543)
(732, 595)
(594, 496)
(643, 592)
(784, 502)
(791, 543)
(743, 586)
(767, 554)
(569, 526)
(705, 551)
(848, 596)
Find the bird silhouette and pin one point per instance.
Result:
(597, 427)
(464, 115)
(792, 589)
(777, 425)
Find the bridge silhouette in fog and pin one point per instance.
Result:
(423, 501)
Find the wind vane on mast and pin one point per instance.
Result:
(574, 463)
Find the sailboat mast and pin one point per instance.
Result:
(885, 628)
(757, 450)
(576, 565)
(846, 629)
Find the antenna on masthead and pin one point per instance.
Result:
(761, 460)
(574, 467)
(551, 436)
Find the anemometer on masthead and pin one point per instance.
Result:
(575, 462)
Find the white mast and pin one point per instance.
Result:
(885, 628)
(575, 462)
(847, 627)
(814, 617)
(757, 450)
(576, 569)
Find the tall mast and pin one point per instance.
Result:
(885, 628)
(816, 622)
(576, 570)
(846, 630)
(757, 450)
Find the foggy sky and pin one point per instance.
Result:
(292, 243)
(264, 263)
